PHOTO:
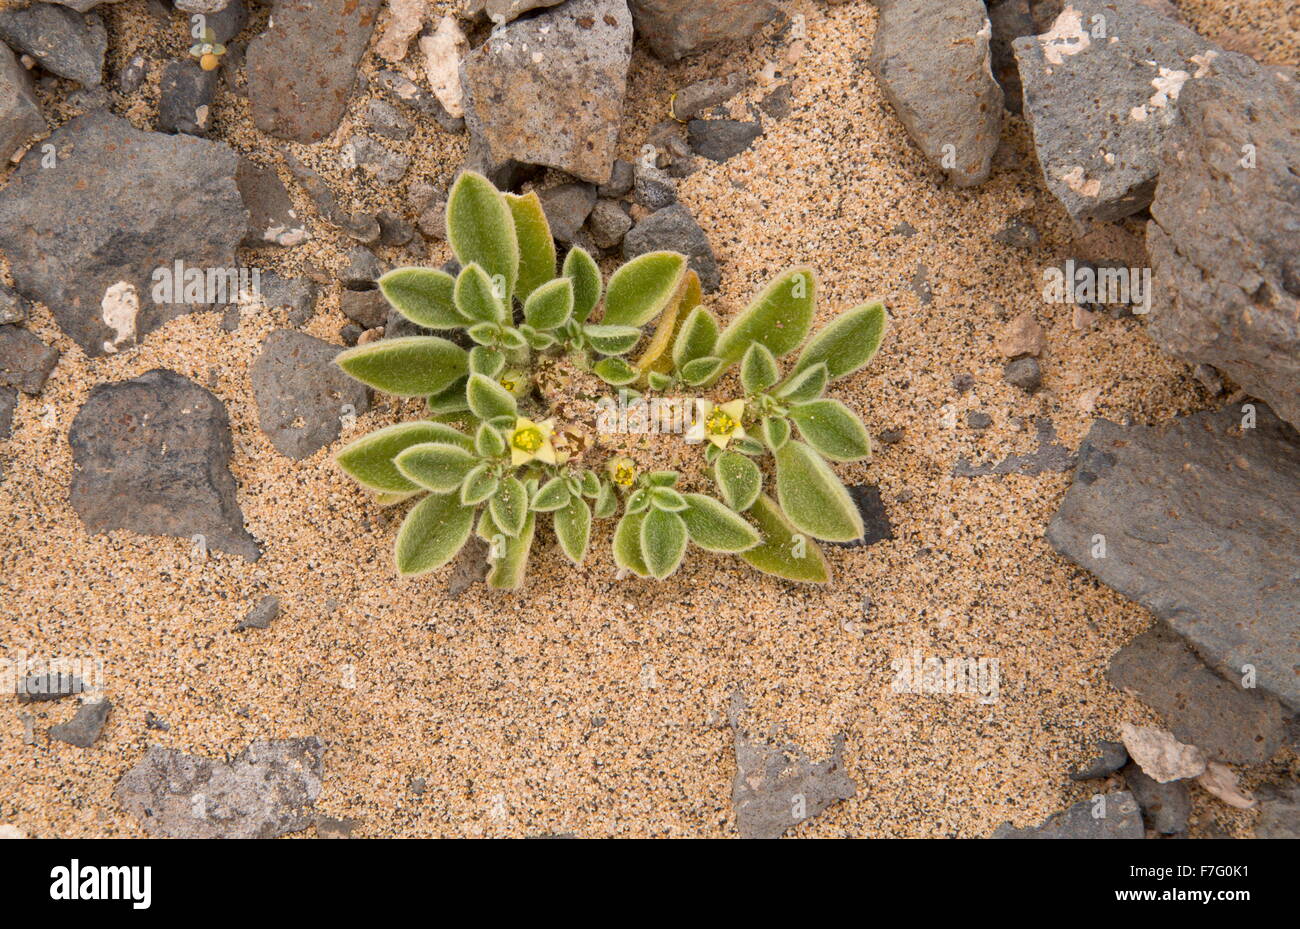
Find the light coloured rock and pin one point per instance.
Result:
(405, 19)
(443, 52)
(501, 12)
(1219, 780)
(1160, 756)
(1022, 336)
(20, 114)
(675, 28)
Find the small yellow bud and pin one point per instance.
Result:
(209, 62)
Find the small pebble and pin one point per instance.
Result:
(1023, 373)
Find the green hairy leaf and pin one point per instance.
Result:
(416, 366)
(627, 545)
(778, 318)
(830, 427)
(776, 431)
(536, 246)
(758, 370)
(657, 357)
(431, 535)
(615, 371)
(434, 466)
(481, 229)
(739, 479)
(665, 498)
(509, 506)
(486, 361)
(489, 442)
(479, 484)
(424, 296)
(573, 528)
(812, 497)
(784, 552)
(507, 555)
(476, 296)
(807, 384)
(698, 335)
(552, 496)
(663, 542)
(713, 527)
(488, 399)
(369, 460)
(582, 270)
(641, 289)
(848, 342)
(451, 399)
(701, 370)
(606, 501)
(612, 340)
(551, 305)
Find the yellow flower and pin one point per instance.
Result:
(718, 424)
(622, 471)
(531, 441)
(516, 383)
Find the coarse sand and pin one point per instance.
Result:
(583, 704)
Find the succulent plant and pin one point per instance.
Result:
(506, 443)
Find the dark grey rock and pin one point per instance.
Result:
(608, 223)
(653, 188)
(329, 828)
(469, 567)
(20, 113)
(778, 103)
(412, 95)
(132, 76)
(1049, 456)
(720, 139)
(262, 615)
(8, 403)
(875, 518)
(87, 245)
(890, 436)
(963, 382)
(1111, 756)
(360, 226)
(269, 789)
(302, 69)
(152, 455)
(778, 786)
(567, 207)
(934, 66)
(383, 119)
(374, 159)
(674, 229)
(187, 92)
(1279, 811)
(1224, 720)
(549, 90)
(1009, 19)
(620, 182)
(38, 688)
(1018, 233)
(367, 308)
(1101, 108)
(362, 269)
(13, 308)
(350, 334)
(394, 230)
(301, 394)
(155, 722)
(1024, 373)
(272, 219)
(920, 284)
(25, 361)
(675, 28)
(1111, 816)
(1200, 519)
(693, 99)
(1165, 807)
(978, 420)
(296, 295)
(227, 22)
(1223, 235)
(62, 41)
(84, 727)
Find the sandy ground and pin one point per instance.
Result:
(596, 707)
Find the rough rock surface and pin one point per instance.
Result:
(269, 789)
(1102, 105)
(875, 518)
(1049, 456)
(778, 787)
(1224, 232)
(20, 114)
(85, 726)
(1224, 720)
(720, 139)
(1201, 498)
(674, 229)
(8, 403)
(301, 394)
(1166, 807)
(187, 92)
(302, 69)
(1160, 755)
(674, 28)
(549, 90)
(62, 41)
(1279, 812)
(152, 455)
(503, 11)
(567, 207)
(1009, 19)
(262, 615)
(1110, 757)
(25, 361)
(272, 219)
(933, 64)
(87, 246)
(1113, 816)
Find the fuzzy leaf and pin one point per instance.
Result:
(703, 369)
(784, 552)
(435, 466)
(369, 460)
(713, 527)
(553, 495)
(776, 431)
(573, 528)
(813, 497)
(778, 318)
(431, 535)
(657, 381)
(536, 246)
(657, 357)
(612, 340)
(481, 228)
(663, 542)
(582, 269)
(507, 556)
(758, 370)
(476, 296)
(451, 399)
(639, 291)
(665, 498)
(739, 479)
(486, 361)
(698, 335)
(807, 384)
(606, 501)
(424, 296)
(487, 399)
(627, 545)
(509, 506)
(848, 342)
(831, 427)
(415, 366)
(662, 479)
(489, 442)
(550, 305)
(479, 484)
(590, 484)
(615, 371)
